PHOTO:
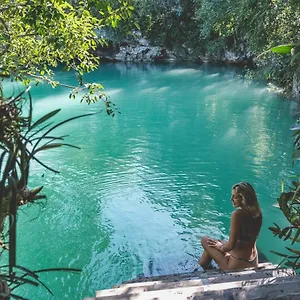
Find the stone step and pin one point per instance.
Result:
(268, 291)
(205, 292)
(196, 274)
(199, 275)
(290, 296)
(279, 289)
(205, 279)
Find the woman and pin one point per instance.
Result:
(240, 250)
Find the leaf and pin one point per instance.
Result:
(24, 166)
(275, 231)
(293, 250)
(294, 265)
(297, 185)
(35, 133)
(53, 138)
(283, 49)
(283, 202)
(59, 124)
(30, 110)
(45, 118)
(2, 159)
(45, 166)
(19, 279)
(297, 140)
(296, 154)
(288, 234)
(20, 95)
(9, 165)
(284, 232)
(54, 145)
(58, 270)
(296, 236)
(294, 218)
(44, 285)
(17, 297)
(12, 223)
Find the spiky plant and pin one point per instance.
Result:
(21, 140)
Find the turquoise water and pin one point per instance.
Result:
(147, 184)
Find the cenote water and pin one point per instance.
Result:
(148, 183)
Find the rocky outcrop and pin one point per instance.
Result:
(134, 49)
(141, 53)
(138, 49)
(125, 52)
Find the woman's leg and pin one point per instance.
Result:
(205, 261)
(210, 253)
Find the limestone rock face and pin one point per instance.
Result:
(232, 56)
(140, 53)
(138, 49)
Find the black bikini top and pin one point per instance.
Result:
(250, 227)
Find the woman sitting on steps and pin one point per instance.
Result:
(240, 250)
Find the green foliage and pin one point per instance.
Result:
(37, 35)
(289, 203)
(167, 23)
(283, 49)
(43, 33)
(292, 49)
(259, 24)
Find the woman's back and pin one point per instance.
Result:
(249, 226)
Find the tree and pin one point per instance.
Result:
(259, 24)
(166, 23)
(35, 36)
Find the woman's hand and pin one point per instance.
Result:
(215, 244)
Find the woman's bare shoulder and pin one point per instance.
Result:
(241, 213)
(238, 212)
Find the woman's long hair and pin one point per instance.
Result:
(249, 198)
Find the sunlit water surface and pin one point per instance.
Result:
(148, 183)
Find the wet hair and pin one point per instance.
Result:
(249, 198)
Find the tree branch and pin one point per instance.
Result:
(43, 78)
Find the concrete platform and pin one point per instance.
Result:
(268, 281)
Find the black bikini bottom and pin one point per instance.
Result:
(250, 261)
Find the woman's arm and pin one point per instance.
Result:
(234, 232)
